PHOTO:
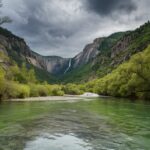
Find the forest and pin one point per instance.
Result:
(130, 79)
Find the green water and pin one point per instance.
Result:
(99, 124)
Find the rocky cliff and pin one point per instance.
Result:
(97, 58)
(131, 43)
(89, 52)
(111, 52)
(19, 51)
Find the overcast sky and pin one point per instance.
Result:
(64, 27)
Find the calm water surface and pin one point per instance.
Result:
(99, 124)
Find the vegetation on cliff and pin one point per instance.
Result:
(117, 72)
(21, 82)
(130, 79)
(113, 50)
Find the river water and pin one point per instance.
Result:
(89, 124)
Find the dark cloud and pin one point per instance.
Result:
(63, 27)
(106, 7)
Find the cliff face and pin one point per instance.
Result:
(131, 43)
(97, 58)
(112, 51)
(18, 50)
(89, 52)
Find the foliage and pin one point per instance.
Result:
(108, 42)
(78, 75)
(131, 79)
(38, 90)
(103, 64)
(45, 90)
(72, 89)
(56, 90)
(15, 90)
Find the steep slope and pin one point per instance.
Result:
(96, 60)
(131, 43)
(113, 50)
(16, 48)
(83, 70)
(130, 79)
(89, 52)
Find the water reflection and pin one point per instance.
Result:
(102, 124)
(57, 142)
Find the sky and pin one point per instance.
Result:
(64, 27)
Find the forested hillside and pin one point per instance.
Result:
(130, 79)
(119, 66)
(113, 50)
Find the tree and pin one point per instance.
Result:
(4, 19)
(130, 79)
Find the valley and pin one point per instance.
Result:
(99, 61)
(74, 75)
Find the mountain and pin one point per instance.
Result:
(17, 49)
(50, 66)
(89, 52)
(112, 51)
(96, 60)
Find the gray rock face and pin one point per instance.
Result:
(121, 46)
(17, 48)
(56, 65)
(52, 64)
(89, 52)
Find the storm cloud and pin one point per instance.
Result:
(64, 27)
(106, 7)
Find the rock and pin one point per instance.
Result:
(89, 52)
(88, 94)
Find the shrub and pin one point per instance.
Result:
(72, 89)
(16, 90)
(2, 85)
(131, 79)
(56, 90)
(38, 90)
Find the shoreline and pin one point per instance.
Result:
(51, 98)
(56, 98)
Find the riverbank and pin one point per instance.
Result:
(49, 98)
(58, 98)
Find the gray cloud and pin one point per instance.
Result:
(106, 7)
(63, 27)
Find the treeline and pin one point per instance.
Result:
(131, 79)
(20, 82)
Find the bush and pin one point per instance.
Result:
(2, 85)
(131, 79)
(38, 90)
(72, 89)
(24, 91)
(55, 90)
(16, 90)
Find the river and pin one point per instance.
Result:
(89, 124)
